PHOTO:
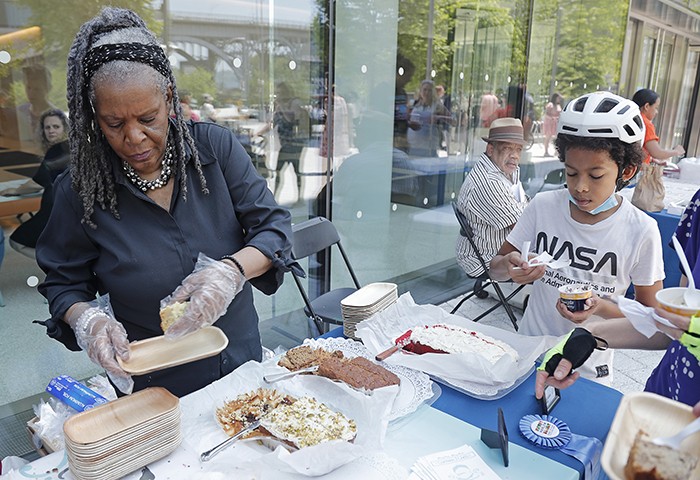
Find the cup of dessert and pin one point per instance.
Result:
(574, 296)
(671, 300)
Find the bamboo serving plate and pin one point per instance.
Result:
(124, 414)
(158, 353)
(657, 416)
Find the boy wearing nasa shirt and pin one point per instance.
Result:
(609, 242)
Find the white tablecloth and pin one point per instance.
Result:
(426, 431)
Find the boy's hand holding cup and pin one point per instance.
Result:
(577, 302)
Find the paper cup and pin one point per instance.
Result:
(575, 296)
(671, 300)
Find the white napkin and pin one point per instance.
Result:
(642, 318)
(546, 259)
(518, 192)
(462, 462)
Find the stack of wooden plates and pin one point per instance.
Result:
(365, 302)
(119, 437)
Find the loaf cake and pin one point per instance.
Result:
(443, 338)
(305, 356)
(648, 461)
(171, 314)
(357, 372)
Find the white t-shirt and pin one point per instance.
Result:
(609, 255)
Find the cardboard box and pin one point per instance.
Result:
(41, 446)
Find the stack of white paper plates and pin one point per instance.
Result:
(365, 302)
(119, 437)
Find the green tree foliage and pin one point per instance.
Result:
(590, 47)
(60, 21)
(196, 83)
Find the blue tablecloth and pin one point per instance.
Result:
(587, 407)
(667, 226)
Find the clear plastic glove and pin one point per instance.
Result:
(103, 338)
(210, 288)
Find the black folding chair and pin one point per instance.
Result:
(483, 280)
(312, 237)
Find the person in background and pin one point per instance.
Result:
(22, 122)
(491, 197)
(187, 113)
(551, 116)
(54, 134)
(446, 99)
(37, 85)
(208, 112)
(649, 192)
(676, 376)
(649, 101)
(488, 107)
(156, 211)
(425, 122)
(292, 123)
(589, 224)
(404, 72)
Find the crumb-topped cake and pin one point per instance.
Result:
(357, 372)
(444, 338)
(245, 409)
(299, 422)
(306, 422)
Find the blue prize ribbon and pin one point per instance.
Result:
(549, 432)
(586, 450)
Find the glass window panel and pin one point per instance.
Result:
(265, 66)
(687, 84)
(568, 57)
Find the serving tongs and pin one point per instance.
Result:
(209, 454)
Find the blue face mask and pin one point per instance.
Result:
(611, 202)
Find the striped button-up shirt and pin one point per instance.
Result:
(487, 200)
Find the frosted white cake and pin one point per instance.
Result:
(307, 422)
(454, 339)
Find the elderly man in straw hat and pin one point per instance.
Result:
(491, 197)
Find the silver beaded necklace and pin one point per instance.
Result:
(165, 172)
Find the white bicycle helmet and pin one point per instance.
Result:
(602, 114)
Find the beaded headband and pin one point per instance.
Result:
(151, 55)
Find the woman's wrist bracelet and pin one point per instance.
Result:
(84, 320)
(233, 260)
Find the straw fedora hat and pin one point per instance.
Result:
(506, 130)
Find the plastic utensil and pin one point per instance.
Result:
(691, 295)
(676, 440)
(276, 377)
